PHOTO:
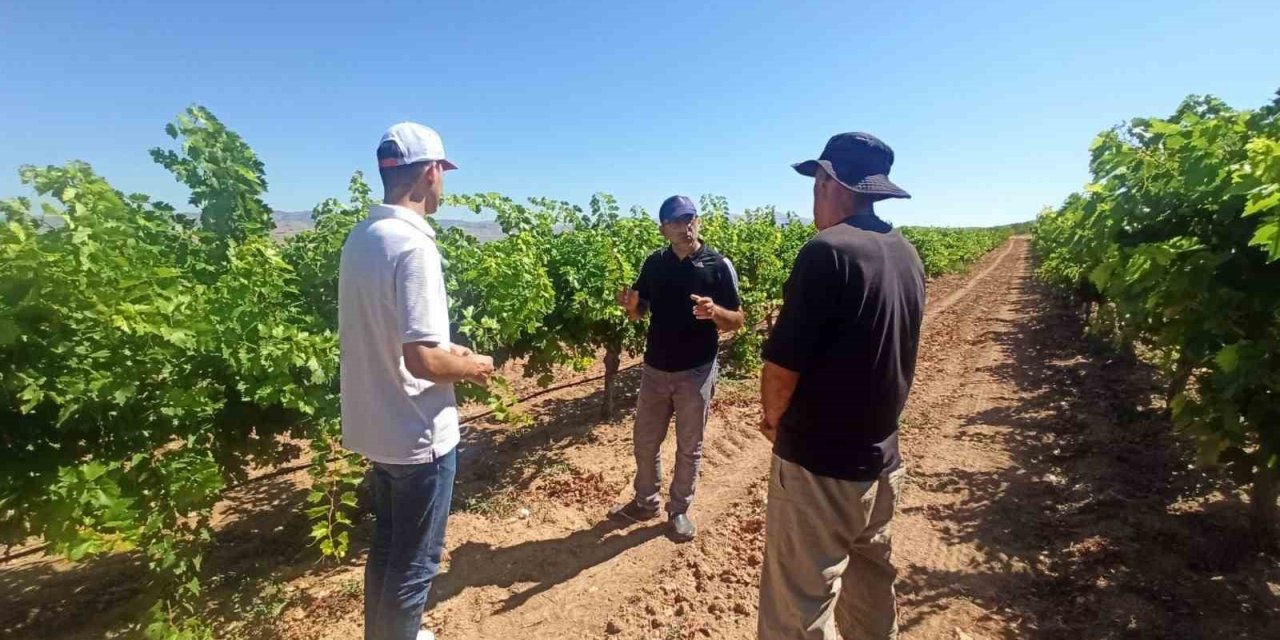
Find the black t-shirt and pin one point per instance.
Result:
(850, 326)
(678, 341)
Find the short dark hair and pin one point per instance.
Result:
(397, 180)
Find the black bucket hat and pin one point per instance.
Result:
(859, 161)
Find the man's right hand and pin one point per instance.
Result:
(629, 300)
(481, 367)
(770, 431)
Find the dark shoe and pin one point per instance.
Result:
(632, 512)
(682, 529)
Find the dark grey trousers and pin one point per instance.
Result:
(687, 395)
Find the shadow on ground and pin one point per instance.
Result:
(542, 564)
(1100, 528)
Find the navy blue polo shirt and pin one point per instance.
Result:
(678, 341)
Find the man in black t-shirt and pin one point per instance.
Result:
(691, 294)
(838, 367)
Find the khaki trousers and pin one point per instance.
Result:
(827, 557)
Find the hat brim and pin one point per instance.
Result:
(390, 163)
(873, 185)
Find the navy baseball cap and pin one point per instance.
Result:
(859, 161)
(676, 207)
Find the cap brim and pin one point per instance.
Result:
(873, 185)
(807, 168)
(448, 166)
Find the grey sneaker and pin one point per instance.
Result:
(632, 512)
(682, 529)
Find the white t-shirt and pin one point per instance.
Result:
(391, 291)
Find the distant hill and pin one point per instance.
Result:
(291, 222)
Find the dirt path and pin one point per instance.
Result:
(1039, 474)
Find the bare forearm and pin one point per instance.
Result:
(637, 314)
(727, 320)
(777, 385)
(436, 364)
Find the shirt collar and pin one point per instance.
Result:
(870, 222)
(692, 257)
(403, 213)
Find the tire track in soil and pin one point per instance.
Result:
(944, 442)
(947, 301)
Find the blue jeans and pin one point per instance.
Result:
(411, 507)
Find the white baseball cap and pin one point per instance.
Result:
(411, 143)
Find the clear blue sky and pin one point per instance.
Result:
(989, 106)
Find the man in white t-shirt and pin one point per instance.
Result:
(398, 371)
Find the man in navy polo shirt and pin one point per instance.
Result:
(691, 293)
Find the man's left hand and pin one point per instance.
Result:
(459, 350)
(704, 308)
